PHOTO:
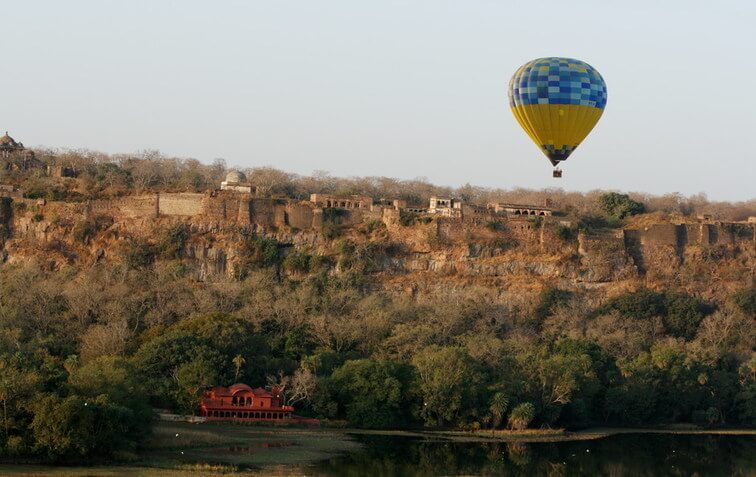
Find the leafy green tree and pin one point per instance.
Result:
(73, 429)
(118, 380)
(449, 383)
(643, 304)
(567, 374)
(521, 416)
(683, 313)
(745, 399)
(160, 359)
(192, 379)
(498, 408)
(323, 361)
(17, 385)
(297, 262)
(620, 205)
(375, 393)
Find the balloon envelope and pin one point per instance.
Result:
(557, 101)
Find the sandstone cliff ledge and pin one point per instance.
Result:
(508, 255)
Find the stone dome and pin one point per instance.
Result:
(8, 141)
(236, 177)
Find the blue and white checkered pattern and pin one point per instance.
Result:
(557, 81)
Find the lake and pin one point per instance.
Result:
(180, 449)
(619, 455)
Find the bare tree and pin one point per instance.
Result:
(295, 388)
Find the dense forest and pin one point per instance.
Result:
(85, 354)
(88, 351)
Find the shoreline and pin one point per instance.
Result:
(183, 449)
(548, 435)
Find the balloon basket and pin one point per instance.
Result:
(556, 173)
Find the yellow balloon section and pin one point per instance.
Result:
(557, 101)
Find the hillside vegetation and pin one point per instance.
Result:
(104, 176)
(409, 325)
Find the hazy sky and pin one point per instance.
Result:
(388, 87)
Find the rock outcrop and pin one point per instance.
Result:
(514, 254)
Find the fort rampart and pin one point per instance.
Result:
(223, 208)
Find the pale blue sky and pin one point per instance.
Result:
(388, 87)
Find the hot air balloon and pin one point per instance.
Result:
(557, 101)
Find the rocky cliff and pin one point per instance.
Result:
(509, 256)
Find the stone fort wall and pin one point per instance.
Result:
(682, 235)
(228, 207)
(186, 204)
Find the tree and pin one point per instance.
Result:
(238, 361)
(105, 340)
(620, 205)
(72, 429)
(16, 384)
(118, 379)
(566, 372)
(549, 299)
(449, 382)
(521, 416)
(683, 313)
(296, 388)
(192, 379)
(160, 361)
(745, 299)
(374, 393)
(498, 408)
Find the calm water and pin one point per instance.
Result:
(617, 456)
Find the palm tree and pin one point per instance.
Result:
(238, 361)
(498, 408)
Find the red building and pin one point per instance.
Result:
(239, 402)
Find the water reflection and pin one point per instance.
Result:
(617, 456)
(253, 448)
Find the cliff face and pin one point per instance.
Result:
(6, 216)
(508, 256)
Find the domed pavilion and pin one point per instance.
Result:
(16, 156)
(9, 145)
(236, 181)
